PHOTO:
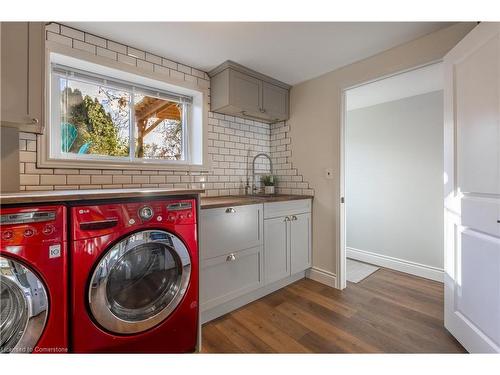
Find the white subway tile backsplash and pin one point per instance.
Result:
(64, 40)
(232, 141)
(117, 47)
(127, 59)
(53, 27)
(153, 58)
(107, 53)
(145, 65)
(92, 39)
(184, 68)
(72, 33)
(136, 53)
(177, 75)
(84, 46)
(169, 64)
(162, 70)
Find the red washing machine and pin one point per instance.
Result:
(134, 272)
(33, 280)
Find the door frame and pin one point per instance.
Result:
(341, 227)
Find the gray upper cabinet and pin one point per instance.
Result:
(22, 75)
(246, 93)
(239, 91)
(274, 101)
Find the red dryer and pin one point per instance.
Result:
(134, 272)
(33, 280)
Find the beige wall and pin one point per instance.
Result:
(315, 127)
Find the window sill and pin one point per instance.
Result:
(118, 165)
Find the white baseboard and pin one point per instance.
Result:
(322, 276)
(397, 264)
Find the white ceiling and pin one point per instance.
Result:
(404, 85)
(289, 51)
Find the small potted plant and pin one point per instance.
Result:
(269, 181)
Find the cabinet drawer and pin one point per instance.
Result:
(276, 209)
(230, 276)
(481, 214)
(230, 229)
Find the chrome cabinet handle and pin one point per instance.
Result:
(34, 120)
(286, 219)
(262, 110)
(230, 210)
(230, 258)
(294, 218)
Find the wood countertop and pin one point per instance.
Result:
(241, 200)
(64, 196)
(94, 194)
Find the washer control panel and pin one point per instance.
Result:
(32, 225)
(103, 219)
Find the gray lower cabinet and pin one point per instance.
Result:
(231, 253)
(276, 248)
(229, 229)
(249, 251)
(229, 276)
(300, 242)
(22, 75)
(287, 245)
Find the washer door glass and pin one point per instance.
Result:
(23, 307)
(139, 282)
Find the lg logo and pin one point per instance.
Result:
(83, 211)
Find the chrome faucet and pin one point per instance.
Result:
(254, 185)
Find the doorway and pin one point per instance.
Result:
(393, 176)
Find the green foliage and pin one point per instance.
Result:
(269, 180)
(93, 124)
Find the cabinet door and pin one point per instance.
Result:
(276, 249)
(22, 74)
(229, 229)
(274, 102)
(300, 242)
(230, 276)
(245, 93)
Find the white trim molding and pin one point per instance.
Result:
(322, 276)
(413, 268)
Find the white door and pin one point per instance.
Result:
(472, 189)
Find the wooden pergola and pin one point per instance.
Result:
(148, 108)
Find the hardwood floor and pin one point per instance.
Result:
(388, 312)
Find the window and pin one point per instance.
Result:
(96, 117)
(106, 115)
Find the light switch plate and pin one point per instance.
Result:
(329, 173)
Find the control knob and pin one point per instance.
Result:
(146, 213)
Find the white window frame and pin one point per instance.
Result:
(195, 119)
